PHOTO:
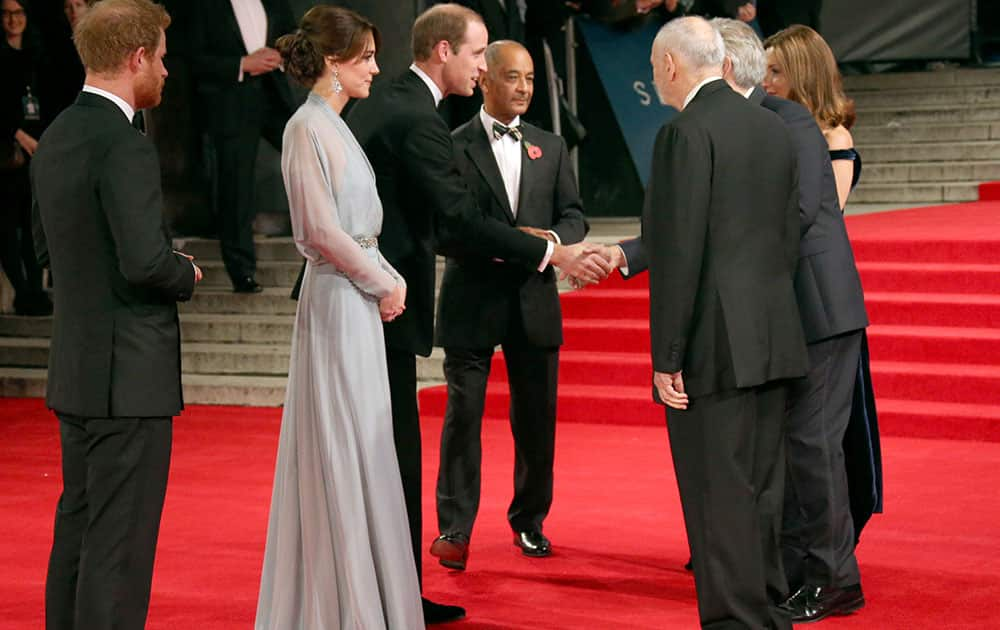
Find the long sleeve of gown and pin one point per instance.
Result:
(316, 225)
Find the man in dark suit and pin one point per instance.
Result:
(426, 207)
(114, 362)
(720, 228)
(243, 97)
(817, 537)
(522, 176)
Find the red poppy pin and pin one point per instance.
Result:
(534, 151)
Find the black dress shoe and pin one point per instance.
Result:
(533, 543)
(247, 285)
(441, 613)
(451, 550)
(690, 565)
(812, 603)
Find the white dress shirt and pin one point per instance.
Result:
(127, 109)
(431, 85)
(252, 20)
(694, 91)
(507, 151)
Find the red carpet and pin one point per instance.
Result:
(933, 561)
(931, 278)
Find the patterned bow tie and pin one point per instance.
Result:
(501, 130)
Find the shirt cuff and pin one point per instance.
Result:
(624, 268)
(549, 248)
(239, 77)
(555, 236)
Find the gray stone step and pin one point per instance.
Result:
(912, 133)
(927, 80)
(909, 192)
(267, 248)
(22, 382)
(270, 273)
(931, 172)
(920, 97)
(985, 150)
(17, 326)
(929, 115)
(272, 301)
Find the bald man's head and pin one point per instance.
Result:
(509, 81)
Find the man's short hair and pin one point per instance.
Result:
(495, 49)
(745, 51)
(114, 29)
(693, 39)
(442, 22)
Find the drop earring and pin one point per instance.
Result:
(338, 87)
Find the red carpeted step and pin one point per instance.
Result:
(929, 277)
(931, 344)
(606, 335)
(973, 251)
(938, 420)
(600, 304)
(617, 404)
(933, 309)
(937, 382)
(577, 367)
(989, 191)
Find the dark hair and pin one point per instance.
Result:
(441, 22)
(325, 31)
(31, 40)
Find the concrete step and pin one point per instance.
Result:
(909, 192)
(929, 115)
(17, 326)
(272, 301)
(267, 248)
(918, 172)
(270, 273)
(932, 80)
(911, 133)
(922, 97)
(930, 152)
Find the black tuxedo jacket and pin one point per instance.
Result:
(827, 284)
(216, 48)
(478, 292)
(99, 225)
(426, 204)
(720, 227)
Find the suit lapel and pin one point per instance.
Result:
(529, 172)
(228, 15)
(481, 154)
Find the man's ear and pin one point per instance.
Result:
(727, 66)
(137, 60)
(442, 50)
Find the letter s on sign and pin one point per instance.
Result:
(640, 89)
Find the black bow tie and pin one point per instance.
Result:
(500, 130)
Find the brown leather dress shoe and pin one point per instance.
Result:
(533, 543)
(812, 603)
(451, 550)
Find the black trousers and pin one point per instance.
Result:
(107, 522)
(406, 435)
(817, 537)
(533, 374)
(728, 452)
(236, 161)
(17, 249)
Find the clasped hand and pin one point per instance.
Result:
(392, 306)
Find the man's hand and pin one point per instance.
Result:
(261, 61)
(29, 144)
(582, 261)
(539, 232)
(611, 253)
(392, 306)
(747, 12)
(197, 273)
(670, 387)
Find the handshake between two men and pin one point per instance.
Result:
(583, 263)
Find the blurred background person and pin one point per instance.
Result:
(23, 117)
(66, 70)
(243, 96)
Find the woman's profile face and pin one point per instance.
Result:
(775, 79)
(356, 74)
(14, 18)
(74, 10)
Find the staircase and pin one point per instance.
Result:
(927, 137)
